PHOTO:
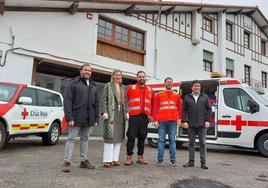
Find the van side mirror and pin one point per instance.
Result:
(253, 106)
(25, 100)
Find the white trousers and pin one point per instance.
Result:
(111, 152)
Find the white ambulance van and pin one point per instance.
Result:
(239, 115)
(30, 110)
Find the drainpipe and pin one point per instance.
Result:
(155, 43)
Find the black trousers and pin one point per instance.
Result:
(137, 128)
(202, 133)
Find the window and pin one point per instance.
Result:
(229, 31)
(246, 40)
(7, 92)
(105, 30)
(229, 73)
(48, 99)
(121, 35)
(207, 61)
(247, 74)
(29, 92)
(264, 79)
(229, 67)
(56, 100)
(120, 42)
(43, 98)
(207, 24)
(236, 98)
(263, 47)
(136, 40)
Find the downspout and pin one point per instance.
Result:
(9, 44)
(155, 43)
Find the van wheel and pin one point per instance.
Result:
(3, 135)
(263, 144)
(52, 136)
(153, 142)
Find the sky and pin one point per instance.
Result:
(262, 4)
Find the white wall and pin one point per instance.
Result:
(75, 37)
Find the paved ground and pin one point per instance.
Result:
(27, 163)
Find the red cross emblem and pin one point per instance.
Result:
(238, 123)
(24, 114)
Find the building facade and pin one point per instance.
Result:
(44, 42)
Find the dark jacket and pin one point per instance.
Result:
(195, 114)
(81, 103)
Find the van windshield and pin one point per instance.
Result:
(7, 91)
(258, 96)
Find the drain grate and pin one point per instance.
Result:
(200, 183)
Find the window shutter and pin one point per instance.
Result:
(208, 56)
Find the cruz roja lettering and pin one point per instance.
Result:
(38, 113)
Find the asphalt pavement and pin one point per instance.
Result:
(27, 163)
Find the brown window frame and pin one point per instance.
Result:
(229, 33)
(229, 73)
(247, 45)
(247, 74)
(264, 79)
(263, 47)
(206, 26)
(120, 45)
(207, 65)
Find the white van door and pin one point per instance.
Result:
(50, 108)
(234, 116)
(24, 119)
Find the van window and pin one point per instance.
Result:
(43, 98)
(46, 98)
(29, 92)
(7, 92)
(236, 98)
(56, 99)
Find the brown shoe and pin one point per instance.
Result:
(86, 164)
(141, 160)
(66, 167)
(107, 164)
(128, 161)
(116, 163)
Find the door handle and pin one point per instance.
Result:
(226, 116)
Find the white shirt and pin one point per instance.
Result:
(87, 82)
(196, 96)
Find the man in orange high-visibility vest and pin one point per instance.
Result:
(140, 99)
(167, 116)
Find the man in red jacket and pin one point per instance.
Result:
(140, 99)
(167, 116)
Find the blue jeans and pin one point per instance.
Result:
(170, 128)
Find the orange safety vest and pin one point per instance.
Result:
(167, 106)
(134, 103)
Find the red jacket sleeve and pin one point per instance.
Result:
(155, 107)
(152, 101)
